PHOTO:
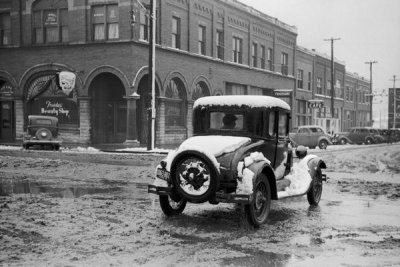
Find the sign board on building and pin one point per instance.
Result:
(315, 104)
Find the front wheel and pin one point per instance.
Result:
(315, 191)
(257, 211)
(343, 141)
(369, 141)
(170, 207)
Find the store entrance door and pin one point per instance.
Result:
(6, 121)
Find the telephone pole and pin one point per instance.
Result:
(394, 101)
(332, 76)
(370, 86)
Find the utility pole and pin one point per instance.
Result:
(332, 76)
(394, 101)
(152, 62)
(370, 85)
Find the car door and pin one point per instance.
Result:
(281, 154)
(302, 137)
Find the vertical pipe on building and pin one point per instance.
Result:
(151, 142)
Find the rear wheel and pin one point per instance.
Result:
(369, 141)
(343, 141)
(257, 211)
(171, 207)
(323, 144)
(315, 192)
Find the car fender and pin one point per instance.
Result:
(314, 163)
(265, 168)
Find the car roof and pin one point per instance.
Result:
(310, 126)
(251, 101)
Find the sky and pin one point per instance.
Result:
(369, 30)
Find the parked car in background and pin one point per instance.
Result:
(311, 136)
(394, 135)
(385, 134)
(360, 135)
(42, 132)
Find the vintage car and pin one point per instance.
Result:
(42, 132)
(311, 136)
(240, 153)
(360, 135)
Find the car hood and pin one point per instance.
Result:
(211, 146)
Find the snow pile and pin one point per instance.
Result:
(252, 101)
(211, 146)
(300, 178)
(246, 176)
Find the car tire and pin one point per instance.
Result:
(323, 144)
(315, 191)
(369, 141)
(194, 177)
(257, 211)
(171, 207)
(343, 141)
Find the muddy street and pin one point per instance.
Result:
(75, 208)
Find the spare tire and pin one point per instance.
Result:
(43, 134)
(194, 176)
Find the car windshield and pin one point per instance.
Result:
(43, 122)
(226, 121)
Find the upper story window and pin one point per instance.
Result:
(202, 40)
(105, 22)
(262, 58)
(300, 77)
(254, 55)
(50, 24)
(144, 27)
(284, 63)
(5, 29)
(309, 81)
(328, 88)
(176, 32)
(237, 50)
(319, 86)
(270, 59)
(220, 44)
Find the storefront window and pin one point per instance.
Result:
(175, 107)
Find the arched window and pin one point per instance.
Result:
(175, 106)
(50, 21)
(200, 90)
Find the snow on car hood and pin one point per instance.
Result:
(212, 146)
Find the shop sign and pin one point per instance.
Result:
(66, 81)
(315, 104)
(6, 90)
(51, 19)
(64, 109)
(282, 93)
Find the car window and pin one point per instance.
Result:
(313, 130)
(319, 130)
(226, 121)
(303, 130)
(43, 122)
(271, 123)
(282, 124)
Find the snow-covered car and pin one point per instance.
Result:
(240, 153)
(311, 136)
(360, 135)
(42, 131)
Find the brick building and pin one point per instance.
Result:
(203, 48)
